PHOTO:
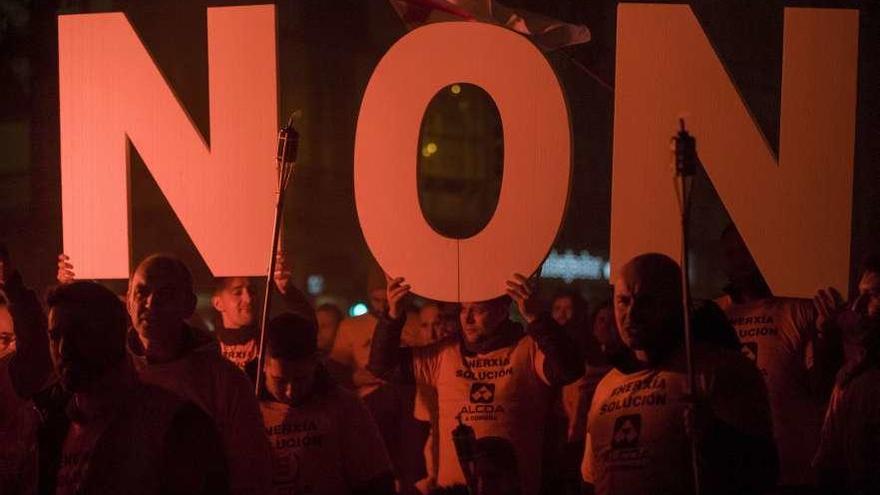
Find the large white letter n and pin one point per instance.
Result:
(111, 91)
(794, 213)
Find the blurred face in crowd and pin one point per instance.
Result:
(290, 381)
(78, 355)
(159, 300)
(449, 320)
(646, 306)
(328, 324)
(378, 301)
(7, 334)
(480, 320)
(605, 330)
(867, 303)
(738, 264)
(562, 310)
(430, 323)
(235, 302)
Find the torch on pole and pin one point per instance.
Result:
(288, 145)
(685, 150)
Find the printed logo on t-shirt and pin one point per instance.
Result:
(750, 350)
(285, 468)
(485, 368)
(240, 354)
(649, 391)
(754, 326)
(627, 430)
(482, 393)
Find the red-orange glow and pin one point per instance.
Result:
(792, 212)
(537, 159)
(111, 90)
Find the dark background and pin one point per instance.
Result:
(327, 50)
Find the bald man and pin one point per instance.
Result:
(168, 353)
(638, 441)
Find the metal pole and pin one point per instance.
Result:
(267, 298)
(288, 144)
(685, 169)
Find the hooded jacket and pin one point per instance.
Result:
(204, 377)
(153, 442)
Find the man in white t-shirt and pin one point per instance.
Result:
(324, 440)
(495, 378)
(638, 439)
(796, 358)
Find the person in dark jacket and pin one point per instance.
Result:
(29, 367)
(848, 458)
(168, 353)
(103, 430)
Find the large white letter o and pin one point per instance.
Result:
(537, 159)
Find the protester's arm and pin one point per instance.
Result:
(294, 299)
(193, 461)
(30, 367)
(563, 362)
(826, 342)
(388, 360)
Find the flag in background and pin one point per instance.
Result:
(548, 33)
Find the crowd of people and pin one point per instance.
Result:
(518, 395)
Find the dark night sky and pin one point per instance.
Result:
(327, 50)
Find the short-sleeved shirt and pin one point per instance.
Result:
(777, 334)
(326, 446)
(636, 440)
(501, 393)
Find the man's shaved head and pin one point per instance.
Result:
(160, 296)
(658, 272)
(647, 302)
(170, 266)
